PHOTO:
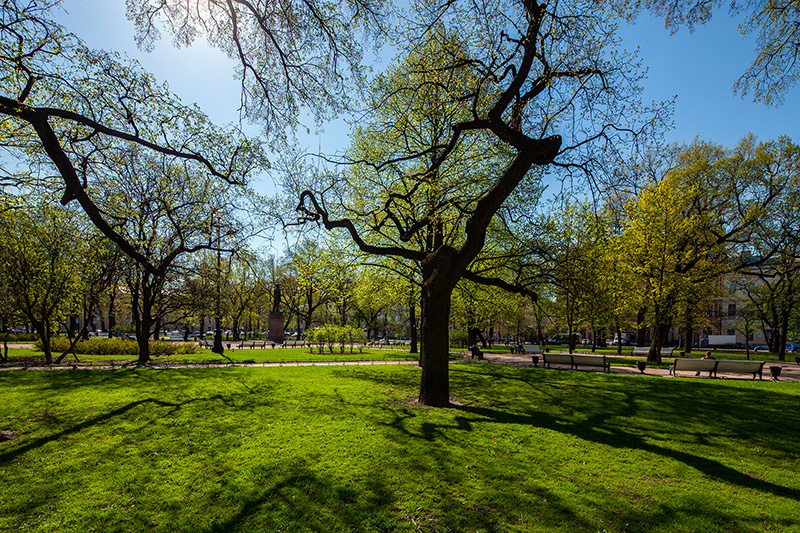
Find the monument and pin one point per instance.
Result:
(275, 331)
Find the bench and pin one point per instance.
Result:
(693, 365)
(644, 351)
(575, 360)
(529, 349)
(732, 366)
(580, 359)
(556, 359)
(252, 344)
(713, 366)
(293, 344)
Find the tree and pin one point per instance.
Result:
(771, 285)
(40, 254)
(691, 226)
(483, 93)
(164, 211)
(776, 24)
(85, 115)
(246, 284)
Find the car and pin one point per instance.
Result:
(761, 348)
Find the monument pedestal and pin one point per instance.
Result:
(275, 331)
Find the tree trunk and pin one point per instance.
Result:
(660, 333)
(112, 317)
(435, 354)
(412, 321)
(44, 334)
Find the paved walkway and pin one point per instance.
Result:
(790, 372)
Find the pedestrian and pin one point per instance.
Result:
(706, 356)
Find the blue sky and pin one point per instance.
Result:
(699, 68)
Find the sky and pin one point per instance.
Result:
(698, 69)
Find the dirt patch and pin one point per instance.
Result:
(7, 435)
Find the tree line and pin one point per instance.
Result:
(442, 179)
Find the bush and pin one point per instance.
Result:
(458, 338)
(116, 346)
(20, 337)
(330, 334)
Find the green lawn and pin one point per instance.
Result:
(340, 448)
(204, 356)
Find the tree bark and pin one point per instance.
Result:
(435, 354)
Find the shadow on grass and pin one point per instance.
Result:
(296, 496)
(10, 455)
(600, 408)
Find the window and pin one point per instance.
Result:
(731, 309)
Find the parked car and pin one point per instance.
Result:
(761, 348)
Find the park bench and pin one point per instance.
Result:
(644, 351)
(575, 360)
(253, 344)
(728, 366)
(530, 349)
(714, 366)
(580, 359)
(556, 359)
(289, 343)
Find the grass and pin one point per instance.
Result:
(332, 448)
(204, 356)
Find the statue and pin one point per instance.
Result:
(276, 296)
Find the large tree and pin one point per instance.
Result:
(483, 94)
(79, 115)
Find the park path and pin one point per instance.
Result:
(790, 372)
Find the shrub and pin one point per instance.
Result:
(20, 337)
(329, 335)
(116, 346)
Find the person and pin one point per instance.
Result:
(706, 356)
(476, 352)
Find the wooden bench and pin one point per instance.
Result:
(580, 359)
(293, 344)
(693, 365)
(732, 366)
(713, 366)
(644, 351)
(253, 344)
(575, 360)
(550, 359)
(529, 349)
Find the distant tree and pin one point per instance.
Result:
(691, 226)
(164, 212)
(40, 256)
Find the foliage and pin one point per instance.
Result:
(114, 346)
(688, 228)
(41, 257)
(298, 55)
(527, 450)
(483, 97)
(331, 334)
